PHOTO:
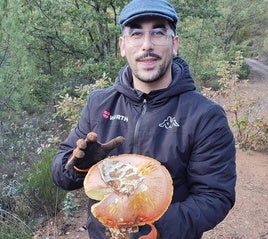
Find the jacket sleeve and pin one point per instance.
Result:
(211, 177)
(70, 179)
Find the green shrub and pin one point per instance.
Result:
(70, 205)
(12, 227)
(13, 210)
(69, 107)
(243, 71)
(44, 197)
(249, 126)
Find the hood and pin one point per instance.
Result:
(181, 83)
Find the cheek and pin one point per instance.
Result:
(130, 59)
(128, 53)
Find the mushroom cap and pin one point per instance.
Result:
(133, 190)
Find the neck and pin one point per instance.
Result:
(147, 87)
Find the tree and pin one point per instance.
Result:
(241, 21)
(196, 29)
(73, 36)
(213, 31)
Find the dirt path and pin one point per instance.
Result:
(257, 87)
(249, 217)
(258, 67)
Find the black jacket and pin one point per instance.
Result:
(185, 131)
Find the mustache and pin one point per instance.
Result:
(148, 54)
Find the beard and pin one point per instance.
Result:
(156, 75)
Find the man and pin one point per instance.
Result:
(155, 107)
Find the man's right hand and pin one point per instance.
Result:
(89, 151)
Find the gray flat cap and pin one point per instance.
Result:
(141, 8)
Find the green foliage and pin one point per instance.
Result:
(249, 126)
(212, 32)
(28, 197)
(243, 71)
(15, 67)
(11, 198)
(251, 134)
(14, 210)
(69, 107)
(23, 135)
(12, 227)
(41, 192)
(202, 54)
(63, 32)
(69, 205)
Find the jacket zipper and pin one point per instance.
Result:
(137, 126)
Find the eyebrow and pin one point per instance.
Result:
(138, 26)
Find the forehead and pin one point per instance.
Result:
(148, 23)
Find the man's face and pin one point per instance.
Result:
(149, 46)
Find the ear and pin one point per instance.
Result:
(121, 42)
(176, 42)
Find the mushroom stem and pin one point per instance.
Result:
(121, 233)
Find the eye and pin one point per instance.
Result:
(158, 32)
(136, 34)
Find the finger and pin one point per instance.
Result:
(78, 153)
(92, 137)
(81, 143)
(109, 146)
(71, 162)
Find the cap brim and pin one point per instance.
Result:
(145, 14)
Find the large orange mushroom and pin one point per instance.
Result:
(133, 190)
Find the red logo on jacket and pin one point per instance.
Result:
(106, 114)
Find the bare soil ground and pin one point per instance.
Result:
(249, 217)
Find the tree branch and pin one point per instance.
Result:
(4, 56)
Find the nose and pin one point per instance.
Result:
(147, 43)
